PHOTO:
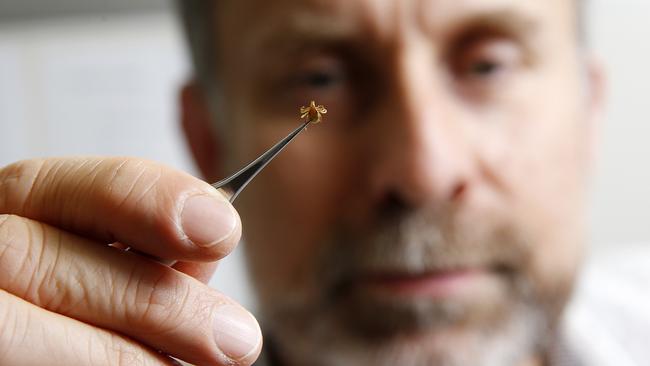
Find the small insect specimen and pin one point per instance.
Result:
(313, 113)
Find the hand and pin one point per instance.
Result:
(68, 298)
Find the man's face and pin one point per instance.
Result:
(435, 217)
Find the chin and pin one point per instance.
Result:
(510, 337)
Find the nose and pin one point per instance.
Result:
(421, 149)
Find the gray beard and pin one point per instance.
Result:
(326, 340)
(332, 324)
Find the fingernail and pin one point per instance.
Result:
(207, 220)
(236, 332)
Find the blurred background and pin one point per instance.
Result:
(100, 77)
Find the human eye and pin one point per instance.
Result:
(483, 62)
(324, 77)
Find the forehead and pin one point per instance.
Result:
(259, 22)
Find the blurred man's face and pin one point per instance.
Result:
(435, 217)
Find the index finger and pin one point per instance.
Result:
(155, 209)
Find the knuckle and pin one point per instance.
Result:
(120, 353)
(18, 239)
(167, 301)
(34, 187)
(31, 264)
(8, 324)
(108, 348)
(50, 286)
(150, 186)
(164, 302)
(130, 180)
(17, 182)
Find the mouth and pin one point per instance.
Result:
(436, 285)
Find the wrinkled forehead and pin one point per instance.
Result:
(259, 23)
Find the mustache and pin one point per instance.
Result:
(424, 241)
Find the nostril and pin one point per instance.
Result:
(393, 205)
(458, 192)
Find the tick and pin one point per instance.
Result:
(313, 113)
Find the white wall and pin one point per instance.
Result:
(20, 10)
(621, 194)
(98, 85)
(106, 84)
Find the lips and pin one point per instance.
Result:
(433, 284)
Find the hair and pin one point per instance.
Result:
(197, 18)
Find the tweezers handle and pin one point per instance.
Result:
(234, 184)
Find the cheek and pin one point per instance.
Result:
(536, 143)
(535, 150)
(289, 209)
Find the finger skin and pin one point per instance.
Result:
(201, 271)
(34, 336)
(112, 289)
(133, 201)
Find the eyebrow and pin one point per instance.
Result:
(517, 24)
(302, 29)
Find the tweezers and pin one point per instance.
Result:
(232, 186)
